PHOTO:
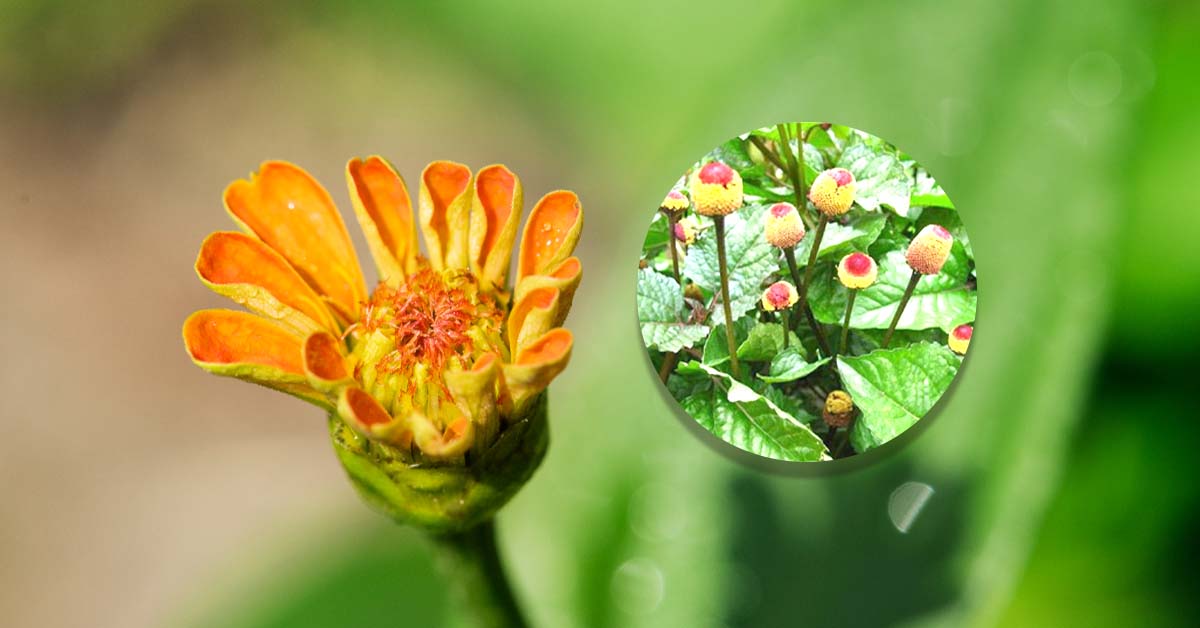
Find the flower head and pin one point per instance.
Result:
(928, 251)
(686, 230)
(833, 192)
(779, 296)
(960, 338)
(674, 202)
(857, 271)
(716, 189)
(839, 409)
(783, 227)
(431, 369)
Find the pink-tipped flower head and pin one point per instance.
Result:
(674, 203)
(779, 296)
(783, 227)
(960, 338)
(716, 189)
(686, 230)
(857, 271)
(928, 252)
(833, 192)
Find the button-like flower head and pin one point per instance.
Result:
(960, 338)
(857, 271)
(928, 252)
(433, 381)
(686, 230)
(779, 296)
(674, 202)
(716, 189)
(783, 228)
(839, 409)
(832, 192)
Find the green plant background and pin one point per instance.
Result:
(1062, 462)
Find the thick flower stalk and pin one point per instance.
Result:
(856, 271)
(926, 255)
(960, 339)
(717, 192)
(434, 380)
(838, 413)
(673, 206)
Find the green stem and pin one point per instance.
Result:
(796, 171)
(719, 221)
(471, 564)
(767, 152)
(803, 287)
(912, 285)
(790, 256)
(787, 328)
(846, 322)
(668, 365)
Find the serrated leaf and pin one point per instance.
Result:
(750, 260)
(856, 235)
(790, 365)
(738, 415)
(764, 342)
(942, 301)
(660, 310)
(894, 388)
(716, 348)
(656, 235)
(880, 177)
(927, 193)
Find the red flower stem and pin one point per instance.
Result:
(719, 221)
(672, 220)
(912, 285)
(846, 322)
(803, 286)
(790, 256)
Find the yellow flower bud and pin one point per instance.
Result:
(833, 192)
(839, 409)
(716, 189)
(960, 338)
(857, 271)
(674, 203)
(927, 252)
(784, 228)
(779, 296)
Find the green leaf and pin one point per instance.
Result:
(789, 365)
(741, 417)
(764, 342)
(942, 301)
(880, 177)
(656, 235)
(716, 348)
(660, 306)
(894, 388)
(750, 260)
(856, 235)
(927, 193)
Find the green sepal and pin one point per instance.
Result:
(449, 498)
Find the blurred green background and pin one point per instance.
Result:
(139, 491)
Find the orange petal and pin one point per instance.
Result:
(251, 273)
(385, 214)
(495, 211)
(363, 413)
(287, 209)
(537, 365)
(474, 393)
(237, 344)
(323, 362)
(454, 441)
(550, 234)
(565, 277)
(531, 316)
(445, 207)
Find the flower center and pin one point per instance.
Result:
(412, 333)
(716, 172)
(842, 176)
(858, 264)
(779, 210)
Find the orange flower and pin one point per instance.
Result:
(441, 357)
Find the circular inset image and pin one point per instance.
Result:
(847, 275)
